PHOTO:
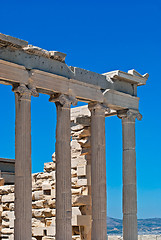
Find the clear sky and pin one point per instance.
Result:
(100, 36)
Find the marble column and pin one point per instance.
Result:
(98, 172)
(128, 117)
(63, 167)
(23, 178)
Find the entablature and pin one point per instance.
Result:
(21, 63)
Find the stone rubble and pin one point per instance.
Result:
(43, 193)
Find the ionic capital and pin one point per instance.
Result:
(25, 90)
(129, 114)
(63, 100)
(98, 107)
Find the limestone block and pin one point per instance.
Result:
(77, 127)
(38, 222)
(76, 211)
(38, 204)
(85, 133)
(81, 170)
(46, 186)
(11, 223)
(75, 146)
(43, 175)
(48, 238)
(7, 215)
(84, 220)
(11, 237)
(53, 175)
(50, 221)
(38, 195)
(38, 213)
(5, 224)
(11, 206)
(7, 231)
(76, 134)
(74, 180)
(85, 190)
(50, 166)
(47, 212)
(85, 142)
(54, 157)
(5, 206)
(51, 231)
(80, 200)
(6, 189)
(8, 198)
(53, 212)
(74, 220)
(80, 160)
(77, 191)
(73, 172)
(51, 203)
(37, 185)
(53, 193)
(82, 182)
(76, 237)
(38, 231)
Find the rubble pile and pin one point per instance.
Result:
(43, 192)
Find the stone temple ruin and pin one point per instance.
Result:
(69, 198)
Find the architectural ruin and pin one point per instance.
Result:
(32, 70)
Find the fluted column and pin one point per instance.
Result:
(128, 117)
(98, 172)
(23, 180)
(63, 167)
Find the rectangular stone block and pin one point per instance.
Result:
(38, 231)
(84, 220)
(51, 231)
(82, 182)
(8, 198)
(53, 193)
(81, 170)
(38, 195)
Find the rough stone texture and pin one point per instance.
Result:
(43, 194)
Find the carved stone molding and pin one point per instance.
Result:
(101, 107)
(64, 100)
(25, 90)
(130, 114)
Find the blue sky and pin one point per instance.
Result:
(100, 36)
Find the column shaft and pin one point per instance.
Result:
(23, 180)
(129, 180)
(63, 174)
(98, 173)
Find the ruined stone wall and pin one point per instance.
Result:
(43, 191)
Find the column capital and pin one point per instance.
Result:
(95, 106)
(63, 100)
(25, 90)
(130, 114)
